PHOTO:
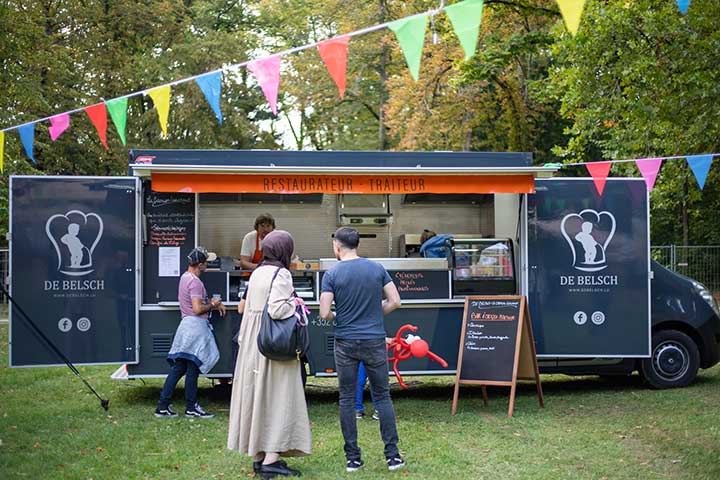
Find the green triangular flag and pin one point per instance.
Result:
(410, 32)
(465, 18)
(118, 112)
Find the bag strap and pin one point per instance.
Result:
(271, 284)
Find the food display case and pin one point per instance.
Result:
(303, 275)
(483, 266)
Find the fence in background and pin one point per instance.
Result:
(701, 263)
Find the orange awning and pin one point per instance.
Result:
(340, 183)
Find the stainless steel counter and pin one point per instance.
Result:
(397, 263)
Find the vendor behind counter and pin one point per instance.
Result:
(251, 249)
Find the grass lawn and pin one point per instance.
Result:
(52, 427)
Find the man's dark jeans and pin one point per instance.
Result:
(191, 371)
(373, 353)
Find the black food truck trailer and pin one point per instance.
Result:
(95, 261)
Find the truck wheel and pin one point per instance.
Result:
(674, 362)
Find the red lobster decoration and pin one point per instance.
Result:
(414, 346)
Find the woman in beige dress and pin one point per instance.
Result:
(268, 413)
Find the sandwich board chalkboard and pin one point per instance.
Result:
(496, 346)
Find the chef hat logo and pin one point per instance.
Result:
(588, 234)
(74, 236)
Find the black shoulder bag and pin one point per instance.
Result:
(283, 339)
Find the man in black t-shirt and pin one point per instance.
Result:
(363, 292)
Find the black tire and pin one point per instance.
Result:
(674, 362)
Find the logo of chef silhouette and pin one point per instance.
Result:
(74, 236)
(588, 233)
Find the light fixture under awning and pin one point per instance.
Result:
(341, 183)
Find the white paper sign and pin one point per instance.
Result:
(169, 261)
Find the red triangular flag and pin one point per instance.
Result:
(334, 53)
(98, 116)
(599, 172)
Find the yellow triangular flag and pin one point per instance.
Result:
(161, 98)
(571, 11)
(2, 148)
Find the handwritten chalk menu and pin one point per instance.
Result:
(421, 284)
(496, 346)
(169, 236)
(491, 330)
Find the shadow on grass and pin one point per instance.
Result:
(434, 388)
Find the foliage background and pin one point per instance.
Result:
(638, 80)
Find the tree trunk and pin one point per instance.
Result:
(685, 222)
(382, 72)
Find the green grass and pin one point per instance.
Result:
(52, 427)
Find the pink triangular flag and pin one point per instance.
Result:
(334, 53)
(649, 167)
(267, 72)
(599, 172)
(58, 124)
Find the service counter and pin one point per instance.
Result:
(432, 291)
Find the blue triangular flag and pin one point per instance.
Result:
(683, 5)
(27, 135)
(700, 165)
(210, 85)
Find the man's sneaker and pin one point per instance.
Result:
(359, 414)
(164, 412)
(198, 412)
(395, 463)
(376, 415)
(354, 465)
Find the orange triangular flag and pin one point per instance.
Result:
(599, 172)
(98, 116)
(334, 53)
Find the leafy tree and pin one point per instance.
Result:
(640, 80)
(63, 54)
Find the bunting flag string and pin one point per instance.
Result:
(649, 168)
(58, 124)
(465, 17)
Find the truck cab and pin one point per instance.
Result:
(685, 337)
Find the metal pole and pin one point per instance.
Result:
(104, 403)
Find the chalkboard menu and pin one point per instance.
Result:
(496, 346)
(421, 284)
(490, 336)
(169, 236)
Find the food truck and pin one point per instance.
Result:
(95, 261)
